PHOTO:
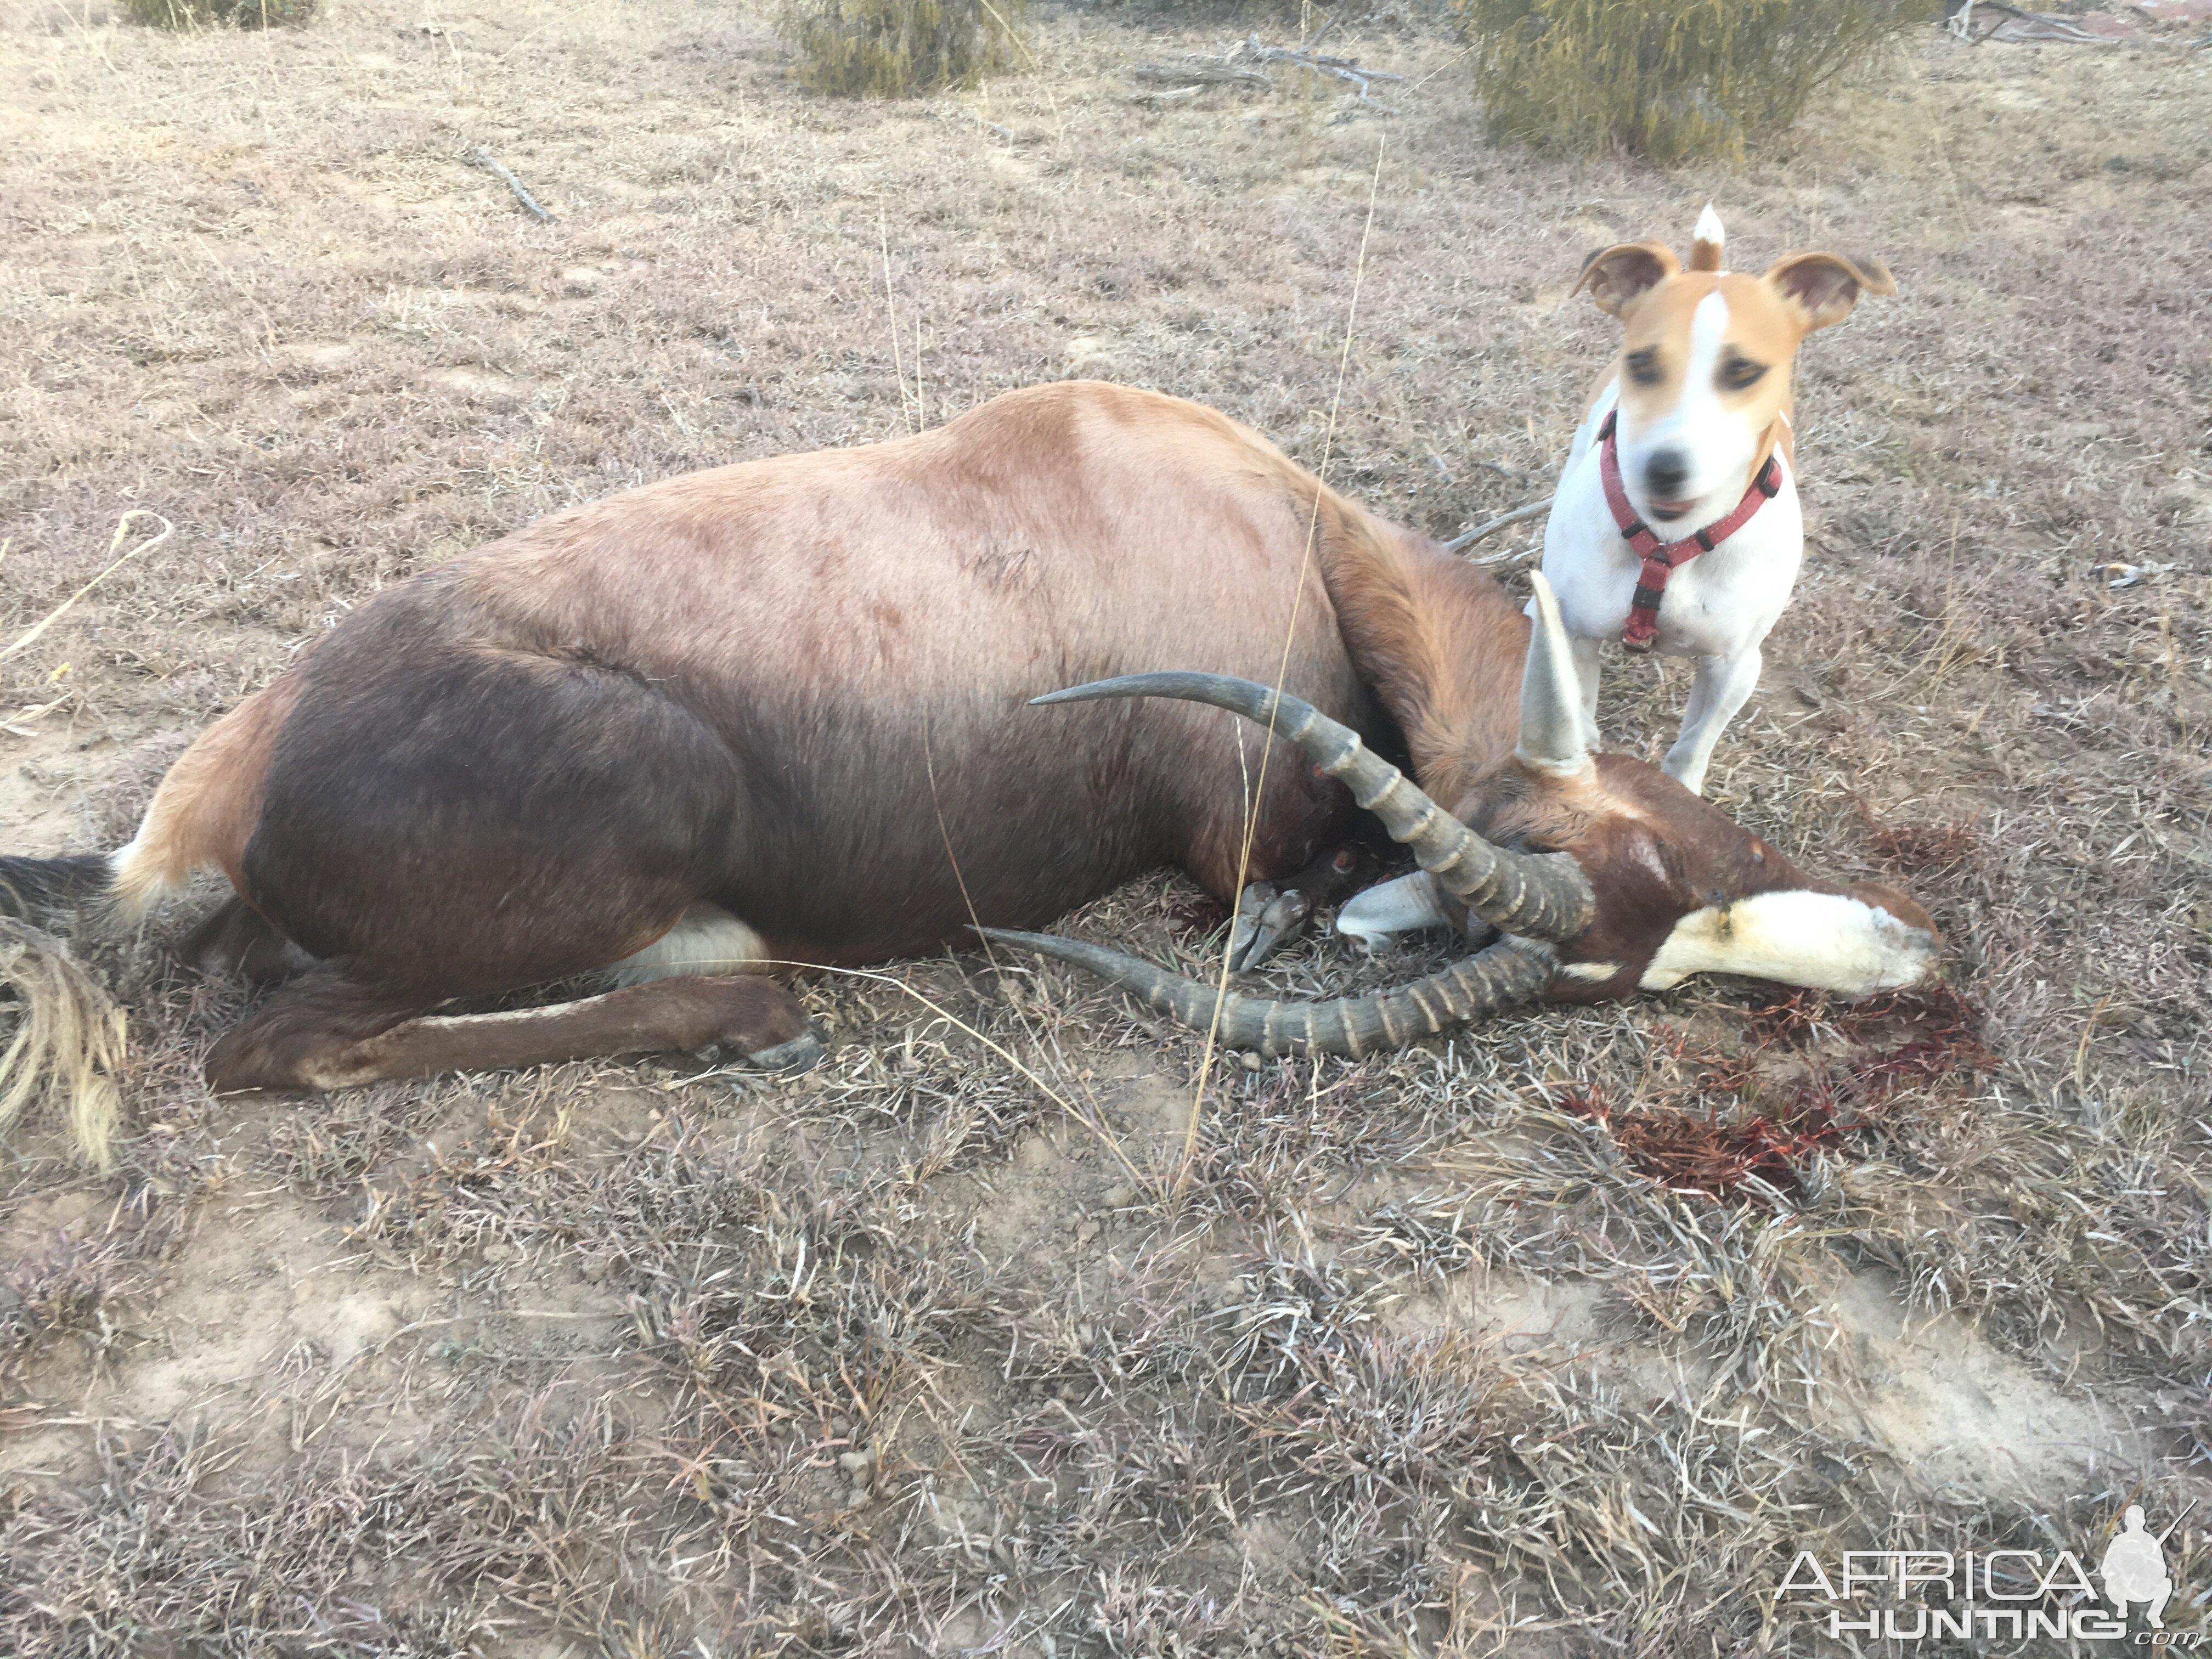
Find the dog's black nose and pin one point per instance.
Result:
(1665, 474)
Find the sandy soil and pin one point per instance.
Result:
(1559, 1338)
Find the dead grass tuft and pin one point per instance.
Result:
(1670, 79)
(900, 48)
(222, 13)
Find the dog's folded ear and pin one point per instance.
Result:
(1822, 288)
(1619, 277)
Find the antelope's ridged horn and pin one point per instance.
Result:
(1513, 970)
(1537, 894)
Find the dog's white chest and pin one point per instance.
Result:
(1715, 605)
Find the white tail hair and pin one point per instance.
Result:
(1706, 241)
(68, 1045)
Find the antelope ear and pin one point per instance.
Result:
(1550, 697)
(1618, 278)
(1822, 288)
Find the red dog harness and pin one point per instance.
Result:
(1660, 557)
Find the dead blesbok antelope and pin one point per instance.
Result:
(776, 714)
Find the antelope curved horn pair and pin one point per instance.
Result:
(1532, 898)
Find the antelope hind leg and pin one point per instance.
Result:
(324, 1032)
(236, 939)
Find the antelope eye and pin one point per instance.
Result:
(1738, 373)
(1644, 367)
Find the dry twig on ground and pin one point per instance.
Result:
(1344, 69)
(1198, 70)
(1239, 66)
(492, 164)
(2004, 22)
(29, 637)
(1467, 538)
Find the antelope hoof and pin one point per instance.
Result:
(1266, 922)
(802, 1054)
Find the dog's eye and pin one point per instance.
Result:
(1740, 373)
(1644, 367)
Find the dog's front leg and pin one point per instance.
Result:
(1723, 685)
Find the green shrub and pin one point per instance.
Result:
(893, 48)
(212, 14)
(1305, 16)
(1668, 78)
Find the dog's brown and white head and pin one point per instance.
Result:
(1704, 363)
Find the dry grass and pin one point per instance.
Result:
(1559, 1338)
(222, 13)
(895, 48)
(1670, 79)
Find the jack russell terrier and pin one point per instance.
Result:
(1676, 526)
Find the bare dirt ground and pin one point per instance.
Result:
(1561, 1338)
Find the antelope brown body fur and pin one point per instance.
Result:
(774, 713)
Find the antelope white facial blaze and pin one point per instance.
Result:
(1826, 941)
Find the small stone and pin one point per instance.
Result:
(499, 1253)
(1251, 1060)
(1119, 1196)
(1086, 1232)
(856, 1463)
(858, 1498)
(580, 279)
